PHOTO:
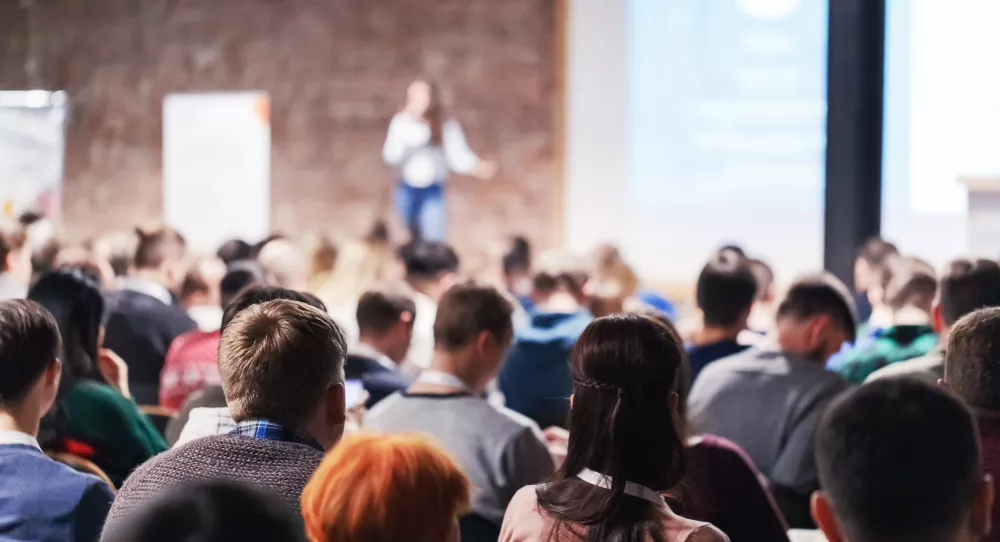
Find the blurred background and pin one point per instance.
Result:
(794, 128)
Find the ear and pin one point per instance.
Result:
(822, 512)
(483, 341)
(571, 400)
(982, 508)
(336, 404)
(817, 328)
(936, 319)
(53, 374)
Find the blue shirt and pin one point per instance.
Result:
(536, 379)
(42, 500)
(268, 430)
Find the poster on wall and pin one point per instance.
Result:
(32, 145)
(217, 166)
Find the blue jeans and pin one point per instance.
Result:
(422, 210)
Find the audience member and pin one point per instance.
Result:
(200, 295)
(721, 485)
(966, 285)
(725, 293)
(385, 321)
(39, 498)
(211, 511)
(499, 450)
(282, 371)
(972, 372)
(868, 268)
(384, 488)
(615, 287)
(15, 263)
(362, 265)
(768, 400)
(205, 413)
(898, 461)
(625, 449)
(41, 240)
(322, 254)
(235, 250)
(93, 415)
(536, 379)
(762, 314)
(517, 271)
(118, 249)
(431, 268)
(143, 320)
(285, 264)
(909, 334)
(192, 361)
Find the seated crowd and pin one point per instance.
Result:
(374, 393)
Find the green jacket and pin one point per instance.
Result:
(112, 424)
(892, 345)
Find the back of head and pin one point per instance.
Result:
(972, 359)
(967, 285)
(277, 360)
(74, 299)
(202, 282)
(29, 344)
(555, 270)
(158, 247)
(256, 294)
(821, 294)
(898, 460)
(210, 511)
(428, 260)
(382, 308)
(384, 488)
(239, 275)
(625, 369)
(913, 284)
(467, 310)
(726, 290)
(12, 241)
(517, 258)
(235, 250)
(119, 249)
(764, 275)
(872, 256)
(285, 263)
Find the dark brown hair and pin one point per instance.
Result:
(625, 368)
(817, 294)
(968, 285)
(29, 343)
(466, 310)
(913, 284)
(380, 309)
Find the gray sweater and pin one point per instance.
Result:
(280, 467)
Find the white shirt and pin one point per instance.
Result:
(205, 422)
(145, 286)
(17, 437)
(422, 345)
(421, 163)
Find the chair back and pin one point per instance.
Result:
(159, 416)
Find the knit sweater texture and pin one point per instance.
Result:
(283, 468)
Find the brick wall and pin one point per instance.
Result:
(335, 69)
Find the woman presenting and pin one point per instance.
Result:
(424, 144)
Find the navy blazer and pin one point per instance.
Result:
(379, 381)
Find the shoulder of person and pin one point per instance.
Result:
(707, 533)
(515, 423)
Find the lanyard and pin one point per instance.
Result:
(440, 378)
(635, 490)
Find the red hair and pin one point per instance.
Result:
(384, 488)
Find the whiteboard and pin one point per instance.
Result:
(217, 167)
(32, 141)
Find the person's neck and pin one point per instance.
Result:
(427, 287)
(712, 335)
(562, 302)
(12, 419)
(151, 275)
(446, 362)
(911, 316)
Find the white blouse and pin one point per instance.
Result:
(421, 163)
